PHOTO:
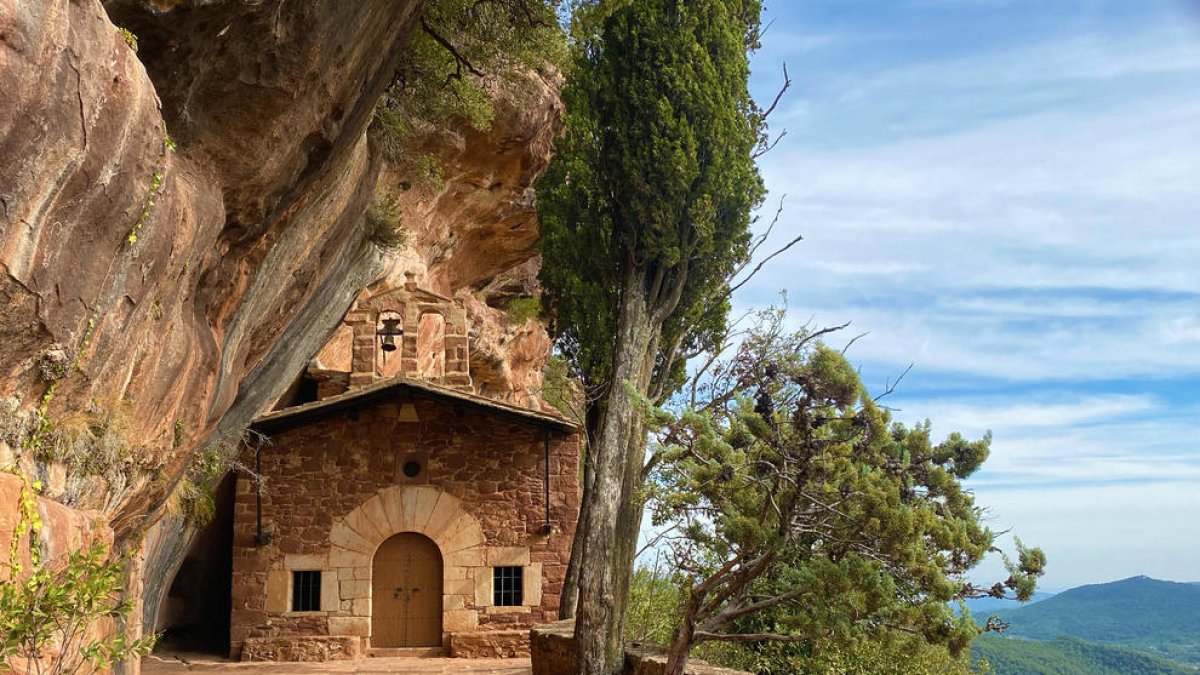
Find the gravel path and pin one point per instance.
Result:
(175, 664)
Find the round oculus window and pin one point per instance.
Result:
(411, 468)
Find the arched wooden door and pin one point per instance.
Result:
(406, 593)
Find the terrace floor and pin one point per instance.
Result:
(170, 663)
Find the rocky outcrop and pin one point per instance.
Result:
(181, 229)
(471, 233)
(190, 230)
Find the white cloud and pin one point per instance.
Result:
(1021, 222)
(934, 244)
(1021, 413)
(1094, 534)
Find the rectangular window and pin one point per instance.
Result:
(306, 591)
(506, 586)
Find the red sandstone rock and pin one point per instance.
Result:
(192, 284)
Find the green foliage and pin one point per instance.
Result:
(520, 310)
(654, 175)
(561, 390)
(129, 38)
(441, 77)
(147, 208)
(790, 486)
(383, 223)
(879, 654)
(657, 597)
(1146, 614)
(179, 434)
(194, 496)
(52, 614)
(156, 181)
(1068, 656)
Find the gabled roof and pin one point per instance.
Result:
(397, 389)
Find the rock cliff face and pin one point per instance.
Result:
(472, 232)
(181, 227)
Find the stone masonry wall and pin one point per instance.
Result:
(334, 490)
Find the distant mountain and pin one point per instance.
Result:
(1159, 617)
(982, 608)
(1068, 656)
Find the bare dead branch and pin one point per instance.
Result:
(853, 340)
(820, 333)
(758, 268)
(787, 84)
(890, 386)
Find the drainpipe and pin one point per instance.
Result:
(547, 528)
(259, 540)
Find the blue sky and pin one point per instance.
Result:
(1006, 193)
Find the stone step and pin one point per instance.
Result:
(412, 652)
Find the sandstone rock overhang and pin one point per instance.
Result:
(397, 390)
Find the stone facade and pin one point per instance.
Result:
(433, 347)
(496, 644)
(333, 488)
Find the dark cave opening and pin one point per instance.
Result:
(194, 616)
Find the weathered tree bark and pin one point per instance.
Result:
(599, 646)
(629, 519)
(569, 598)
(684, 638)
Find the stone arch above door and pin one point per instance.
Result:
(394, 510)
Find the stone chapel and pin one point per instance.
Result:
(398, 511)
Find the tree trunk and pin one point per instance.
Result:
(599, 648)
(683, 639)
(570, 592)
(629, 519)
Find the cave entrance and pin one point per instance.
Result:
(194, 616)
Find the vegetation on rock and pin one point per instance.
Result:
(384, 228)
(442, 78)
(56, 615)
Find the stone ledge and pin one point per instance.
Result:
(553, 653)
(496, 644)
(305, 649)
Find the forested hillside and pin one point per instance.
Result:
(1068, 656)
(1159, 617)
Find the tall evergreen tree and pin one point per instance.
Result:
(645, 215)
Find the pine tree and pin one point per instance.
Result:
(800, 511)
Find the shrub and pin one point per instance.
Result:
(383, 224)
(50, 611)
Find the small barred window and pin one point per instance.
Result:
(507, 586)
(306, 591)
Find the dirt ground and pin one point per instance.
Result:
(177, 663)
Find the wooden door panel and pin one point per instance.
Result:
(406, 593)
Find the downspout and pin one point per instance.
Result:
(258, 530)
(547, 528)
